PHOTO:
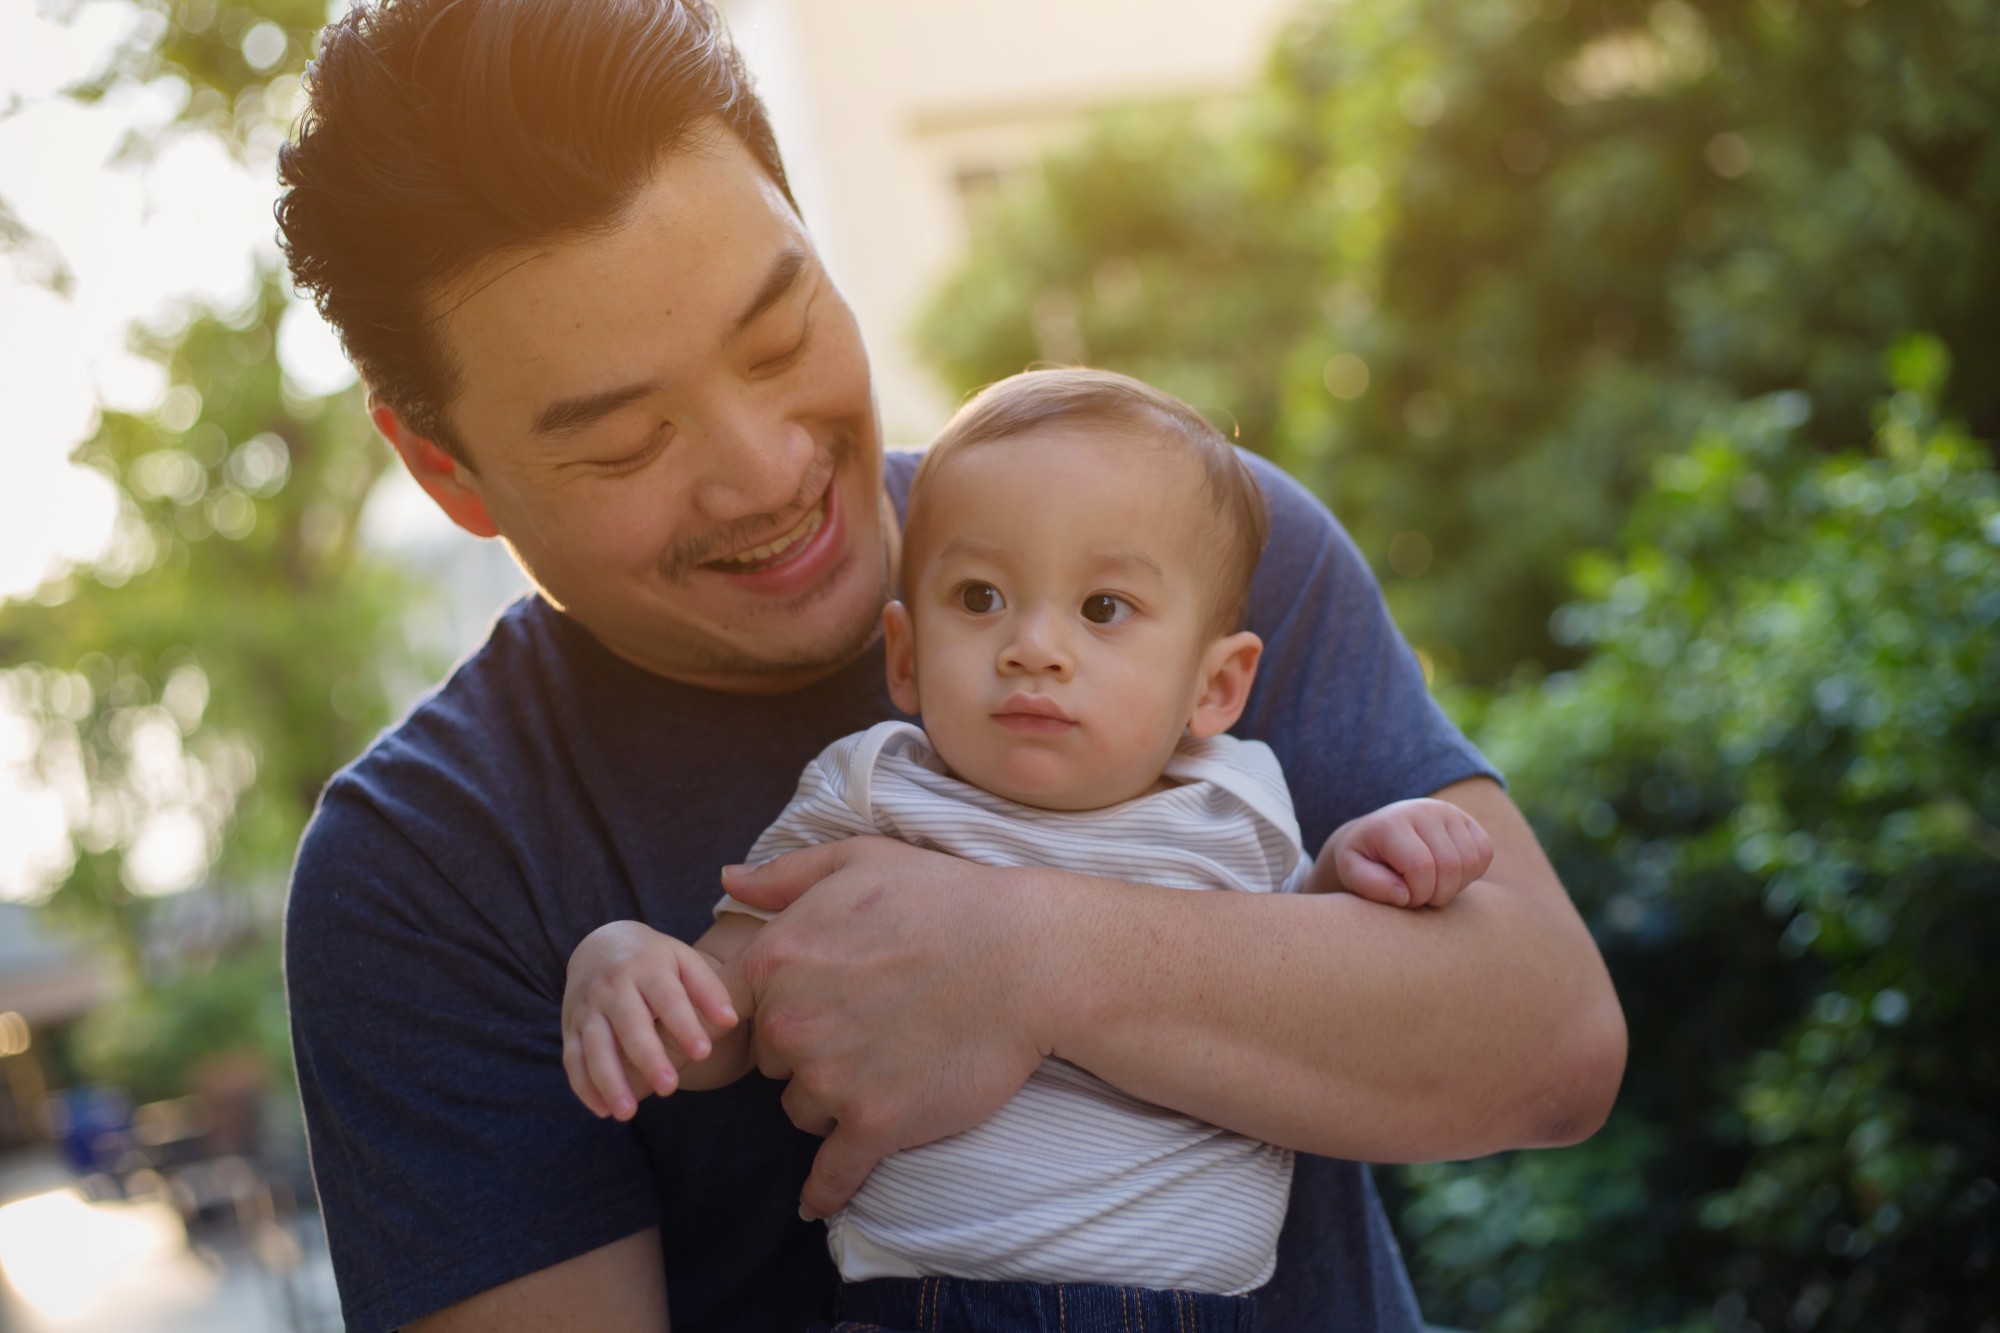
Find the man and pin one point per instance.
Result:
(556, 239)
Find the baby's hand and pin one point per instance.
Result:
(1411, 854)
(629, 986)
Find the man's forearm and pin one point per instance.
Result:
(619, 1288)
(1337, 1026)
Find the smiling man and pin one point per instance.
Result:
(556, 239)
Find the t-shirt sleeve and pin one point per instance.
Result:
(449, 1154)
(1339, 695)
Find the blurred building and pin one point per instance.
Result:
(898, 116)
(46, 983)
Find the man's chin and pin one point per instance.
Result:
(787, 666)
(827, 629)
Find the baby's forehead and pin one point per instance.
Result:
(1141, 505)
(1128, 449)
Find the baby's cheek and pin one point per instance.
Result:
(962, 737)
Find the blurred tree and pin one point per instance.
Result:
(1470, 265)
(1773, 790)
(194, 688)
(155, 1042)
(237, 62)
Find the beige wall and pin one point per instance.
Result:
(882, 105)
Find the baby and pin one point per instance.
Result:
(1075, 573)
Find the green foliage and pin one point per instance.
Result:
(1773, 790)
(207, 676)
(150, 1042)
(238, 61)
(1480, 269)
(195, 688)
(1471, 265)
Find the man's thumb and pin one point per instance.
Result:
(779, 882)
(838, 1171)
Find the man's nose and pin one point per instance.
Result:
(1037, 647)
(751, 464)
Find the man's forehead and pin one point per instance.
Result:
(697, 255)
(692, 242)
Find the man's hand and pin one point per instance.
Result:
(894, 993)
(1411, 854)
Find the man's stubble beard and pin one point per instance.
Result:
(837, 650)
(844, 644)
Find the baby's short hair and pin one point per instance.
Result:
(1035, 398)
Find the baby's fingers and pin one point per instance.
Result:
(1471, 853)
(579, 1075)
(1479, 859)
(705, 988)
(638, 1039)
(1409, 853)
(1365, 878)
(605, 1068)
(668, 1005)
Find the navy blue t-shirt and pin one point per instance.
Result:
(549, 787)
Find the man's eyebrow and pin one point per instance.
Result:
(566, 416)
(784, 273)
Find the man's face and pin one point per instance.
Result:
(670, 423)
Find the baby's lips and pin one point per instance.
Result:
(1033, 705)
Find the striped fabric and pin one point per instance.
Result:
(1071, 1181)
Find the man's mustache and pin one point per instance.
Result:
(685, 558)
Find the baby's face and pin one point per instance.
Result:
(1058, 638)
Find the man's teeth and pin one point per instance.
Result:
(757, 555)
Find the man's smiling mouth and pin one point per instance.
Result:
(778, 548)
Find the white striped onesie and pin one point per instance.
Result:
(1071, 1180)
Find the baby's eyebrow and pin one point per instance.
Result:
(970, 547)
(1113, 560)
(1128, 562)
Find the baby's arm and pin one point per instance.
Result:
(1411, 854)
(644, 1010)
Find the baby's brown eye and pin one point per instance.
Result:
(980, 598)
(1104, 609)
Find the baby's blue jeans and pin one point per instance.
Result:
(962, 1305)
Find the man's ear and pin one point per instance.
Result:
(1227, 669)
(899, 647)
(449, 482)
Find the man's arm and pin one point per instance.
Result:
(1342, 1027)
(909, 994)
(613, 1289)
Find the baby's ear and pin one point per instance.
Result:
(899, 648)
(1227, 669)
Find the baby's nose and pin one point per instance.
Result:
(1037, 649)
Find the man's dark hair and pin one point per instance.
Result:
(438, 133)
